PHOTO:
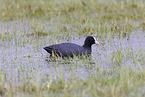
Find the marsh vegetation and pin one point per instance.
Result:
(116, 68)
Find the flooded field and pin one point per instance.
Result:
(116, 67)
(23, 57)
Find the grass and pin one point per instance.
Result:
(115, 82)
(117, 65)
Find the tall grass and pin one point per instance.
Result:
(116, 68)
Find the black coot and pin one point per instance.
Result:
(71, 49)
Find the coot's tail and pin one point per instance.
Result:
(48, 49)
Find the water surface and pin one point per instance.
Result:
(22, 56)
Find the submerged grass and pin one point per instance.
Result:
(116, 68)
(116, 82)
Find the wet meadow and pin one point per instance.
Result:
(116, 67)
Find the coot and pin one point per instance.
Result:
(71, 49)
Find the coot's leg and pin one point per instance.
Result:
(52, 54)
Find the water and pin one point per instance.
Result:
(22, 57)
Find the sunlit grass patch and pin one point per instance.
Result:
(38, 33)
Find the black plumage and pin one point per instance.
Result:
(71, 49)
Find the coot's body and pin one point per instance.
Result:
(71, 49)
(67, 49)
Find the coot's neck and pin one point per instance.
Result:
(87, 45)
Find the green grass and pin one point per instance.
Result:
(116, 82)
(117, 65)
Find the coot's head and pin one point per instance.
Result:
(90, 40)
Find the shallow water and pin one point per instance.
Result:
(22, 58)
